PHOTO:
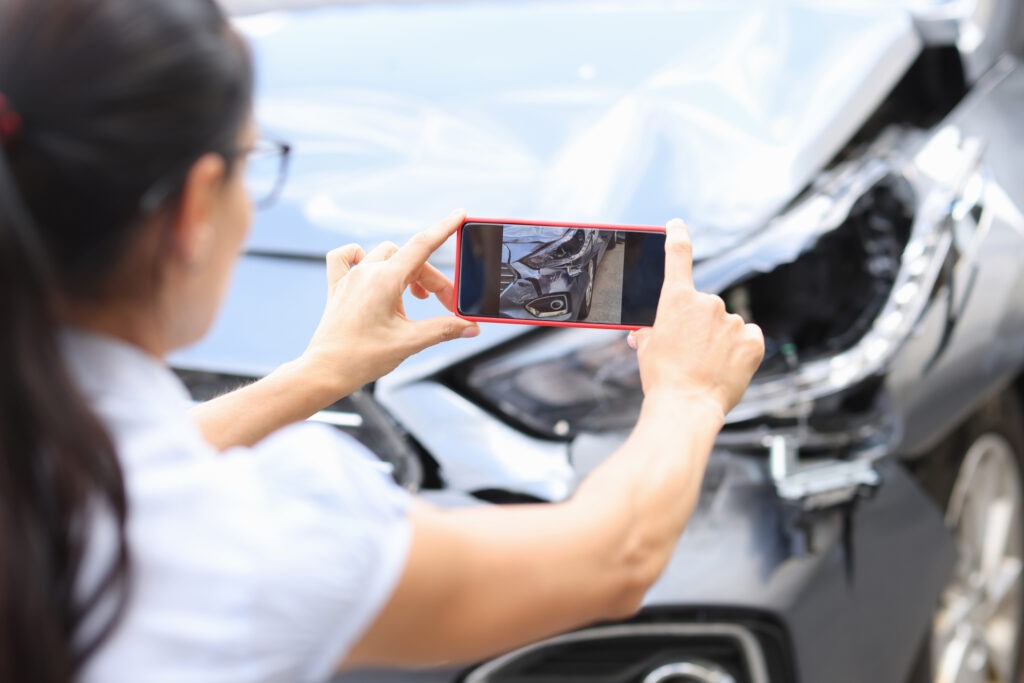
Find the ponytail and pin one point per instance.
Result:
(58, 468)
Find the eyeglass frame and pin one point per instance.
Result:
(162, 189)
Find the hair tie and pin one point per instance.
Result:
(10, 120)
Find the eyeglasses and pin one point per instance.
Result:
(266, 170)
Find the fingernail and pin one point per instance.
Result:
(631, 341)
(457, 211)
(470, 332)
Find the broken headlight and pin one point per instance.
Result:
(837, 283)
(825, 301)
(561, 252)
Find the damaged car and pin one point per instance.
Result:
(853, 175)
(549, 273)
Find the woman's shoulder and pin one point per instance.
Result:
(304, 534)
(307, 467)
(317, 460)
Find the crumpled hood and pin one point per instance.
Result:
(530, 236)
(621, 111)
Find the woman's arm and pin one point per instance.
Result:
(246, 416)
(481, 581)
(363, 334)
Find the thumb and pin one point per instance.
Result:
(441, 329)
(341, 260)
(638, 338)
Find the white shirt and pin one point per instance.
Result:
(253, 565)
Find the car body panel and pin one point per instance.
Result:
(831, 582)
(941, 376)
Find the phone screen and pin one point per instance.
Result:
(559, 274)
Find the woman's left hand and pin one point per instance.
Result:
(364, 332)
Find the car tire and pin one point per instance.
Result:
(976, 476)
(588, 293)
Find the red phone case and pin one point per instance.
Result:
(555, 224)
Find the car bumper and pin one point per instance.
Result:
(812, 595)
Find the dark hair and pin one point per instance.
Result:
(115, 100)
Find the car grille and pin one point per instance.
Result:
(508, 276)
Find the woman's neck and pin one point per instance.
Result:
(120, 321)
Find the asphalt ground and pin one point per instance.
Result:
(607, 304)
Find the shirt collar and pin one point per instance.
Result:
(104, 368)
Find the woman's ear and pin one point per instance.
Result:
(194, 227)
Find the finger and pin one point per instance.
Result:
(678, 255)
(341, 260)
(445, 328)
(418, 291)
(414, 253)
(640, 337)
(631, 340)
(755, 334)
(382, 252)
(447, 297)
(433, 280)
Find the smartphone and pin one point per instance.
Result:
(565, 274)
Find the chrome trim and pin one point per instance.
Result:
(706, 673)
(827, 484)
(338, 419)
(752, 655)
(331, 417)
(506, 277)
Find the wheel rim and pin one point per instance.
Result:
(977, 627)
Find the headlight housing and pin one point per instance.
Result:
(562, 252)
(556, 385)
(837, 282)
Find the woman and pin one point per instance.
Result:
(144, 543)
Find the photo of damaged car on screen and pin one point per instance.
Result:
(559, 274)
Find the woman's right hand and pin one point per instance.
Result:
(364, 332)
(695, 349)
